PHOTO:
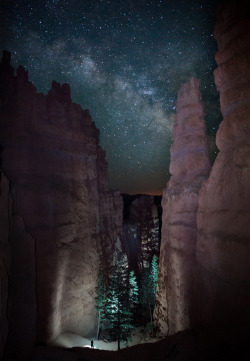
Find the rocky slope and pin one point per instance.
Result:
(223, 247)
(189, 167)
(63, 216)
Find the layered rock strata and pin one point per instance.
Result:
(223, 248)
(65, 217)
(189, 167)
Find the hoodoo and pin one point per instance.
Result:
(189, 167)
(204, 274)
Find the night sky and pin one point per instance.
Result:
(125, 61)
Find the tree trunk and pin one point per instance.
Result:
(151, 318)
(119, 335)
(98, 325)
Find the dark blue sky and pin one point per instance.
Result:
(125, 61)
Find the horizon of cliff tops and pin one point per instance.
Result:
(137, 192)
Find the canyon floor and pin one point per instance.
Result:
(69, 340)
(184, 346)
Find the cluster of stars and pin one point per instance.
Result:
(125, 61)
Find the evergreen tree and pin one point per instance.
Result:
(148, 287)
(118, 307)
(100, 300)
(133, 292)
(144, 293)
(117, 297)
(133, 289)
(153, 280)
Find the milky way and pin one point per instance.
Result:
(125, 61)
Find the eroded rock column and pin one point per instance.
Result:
(223, 248)
(189, 167)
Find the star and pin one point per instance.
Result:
(125, 61)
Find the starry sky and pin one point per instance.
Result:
(125, 61)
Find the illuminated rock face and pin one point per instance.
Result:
(223, 248)
(65, 217)
(189, 167)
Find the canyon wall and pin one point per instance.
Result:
(223, 221)
(141, 229)
(62, 218)
(204, 273)
(189, 167)
(5, 214)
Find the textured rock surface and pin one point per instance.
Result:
(5, 204)
(223, 248)
(65, 217)
(21, 286)
(141, 229)
(189, 167)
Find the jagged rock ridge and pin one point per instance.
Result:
(62, 210)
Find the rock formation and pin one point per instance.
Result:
(5, 214)
(141, 230)
(61, 216)
(223, 248)
(189, 167)
(204, 275)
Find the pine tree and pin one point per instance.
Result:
(100, 300)
(117, 296)
(153, 279)
(118, 307)
(148, 287)
(133, 292)
(144, 293)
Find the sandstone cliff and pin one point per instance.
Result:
(63, 216)
(189, 167)
(223, 247)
